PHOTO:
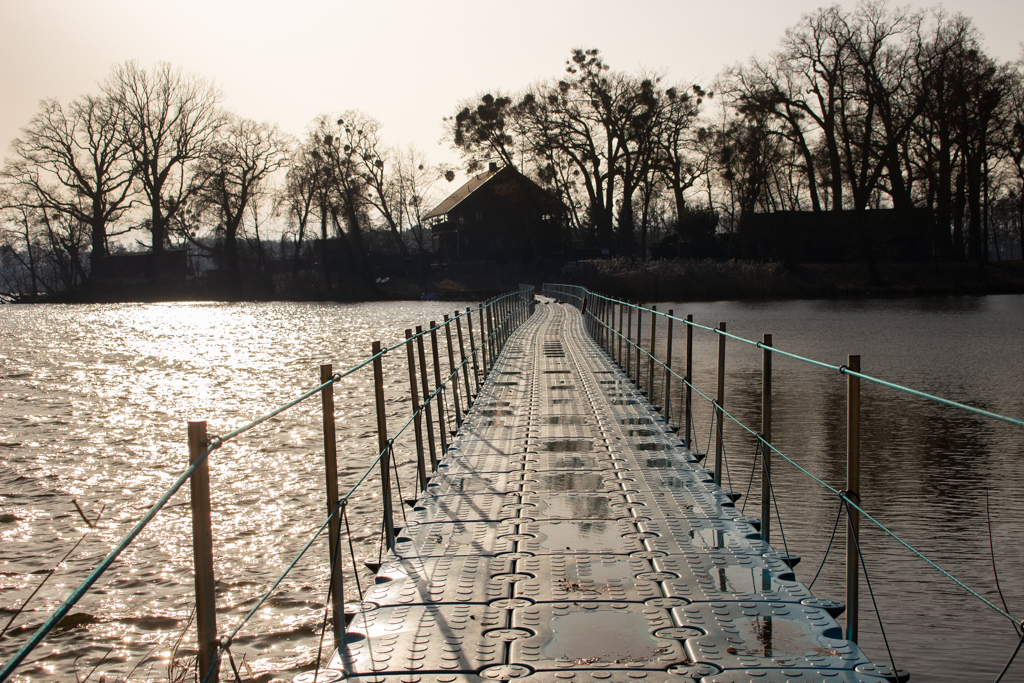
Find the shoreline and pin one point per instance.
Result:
(661, 280)
(754, 281)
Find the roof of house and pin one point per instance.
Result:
(455, 198)
(479, 180)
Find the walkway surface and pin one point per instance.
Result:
(569, 536)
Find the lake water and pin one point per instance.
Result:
(95, 400)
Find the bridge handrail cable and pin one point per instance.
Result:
(799, 467)
(216, 442)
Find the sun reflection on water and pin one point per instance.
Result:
(95, 400)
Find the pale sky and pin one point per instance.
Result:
(403, 62)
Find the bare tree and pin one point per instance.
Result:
(74, 162)
(362, 150)
(235, 176)
(170, 121)
(19, 243)
(413, 188)
(298, 199)
(1012, 142)
(678, 159)
(594, 136)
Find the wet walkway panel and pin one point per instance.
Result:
(568, 536)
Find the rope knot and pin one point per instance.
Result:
(214, 440)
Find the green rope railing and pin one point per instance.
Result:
(842, 369)
(818, 480)
(217, 442)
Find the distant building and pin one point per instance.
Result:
(500, 215)
(841, 236)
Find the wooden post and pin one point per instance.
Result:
(421, 464)
(506, 316)
(720, 404)
(605, 337)
(491, 348)
(503, 312)
(629, 336)
(473, 350)
(650, 358)
(609, 325)
(427, 402)
(454, 371)
(382, 446)
(483, 341)
(202, 554)
(639, 345)
(334, 526)
(441, 422)
(667, 411)
(689, 380)
(766, 434)
(464, 365)
(621, 310)
(853, 492)
(499, 325)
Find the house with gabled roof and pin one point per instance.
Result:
(499, 215)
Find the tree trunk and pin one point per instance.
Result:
(805, 152)
(959, 204)
(231, 260)
(627, 239)
(298, 250)
(836, 166)
(677, 192)
(158, 231)
(1020, 220)
(944, 194)
(985, 215)
(99, 230)
(324, 265)
(975, 246)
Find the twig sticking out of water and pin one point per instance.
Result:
(102, 659)
(992, 554)
(176, 674)
(92, 525)
(141, 661)
(248, 668)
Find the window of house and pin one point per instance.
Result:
(479, 216)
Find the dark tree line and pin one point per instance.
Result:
(869, 108)
(874, 107)
(881, 107)
(609, 144)
(154, 162)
